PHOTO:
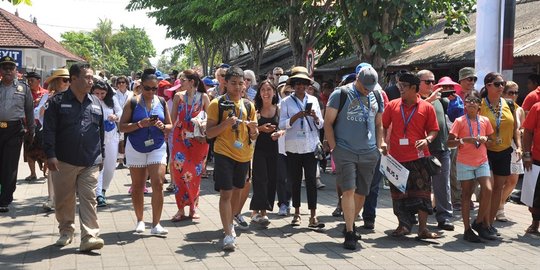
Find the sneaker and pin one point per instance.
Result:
(140, 227)
(264, 221)
(350, 241)
(159, 230)
(101, 202)
(229, 243)
(320, 185)
(171, 187)
(337, 212)
(65, 239)
(233, 232)
(501, 216)
(256, 218)
(493, 231)
(296, 220)
(48, 206)
(470, 236)
(369, 224)
(355, 231)
(91, 243)
(242, 224)
(283, 210)
(485, 234)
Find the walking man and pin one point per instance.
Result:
(16, 119)
(354, 135)
(73, 142)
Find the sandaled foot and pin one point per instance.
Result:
(193, 214)
(179, 217)
(400, 231)
(532, 229)
(425, 234)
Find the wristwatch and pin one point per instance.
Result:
(461, 141)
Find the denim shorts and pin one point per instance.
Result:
(466, 172)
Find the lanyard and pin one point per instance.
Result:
(498, 116)
(365, 109)
(297, 101)
(470, 126)
(408, 120)
(187, 117)
(148, 113)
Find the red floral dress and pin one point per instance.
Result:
(188, 155)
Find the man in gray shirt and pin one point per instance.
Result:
(353, 129)
(16, 111)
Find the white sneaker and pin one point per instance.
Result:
(229, 243)
(256, 218)
(159, 230)
(233, 232)
(48, 206)
(140, 227)
(283, 210)
(241, 222)
(264, 221)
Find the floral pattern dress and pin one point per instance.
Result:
(188, 155)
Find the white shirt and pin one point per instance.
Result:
(123, 97)
(303, 136)
(116, 110)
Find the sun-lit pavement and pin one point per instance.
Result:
(27, 235)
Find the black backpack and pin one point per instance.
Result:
(343, 98)
(222, 108)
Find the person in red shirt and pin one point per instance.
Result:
(531, 144)
(414, 126)
(534, 94)
(33, 151)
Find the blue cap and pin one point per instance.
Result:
(224, 65)
(159, 75)
(360, 66)
(208, 81)
(349, 77)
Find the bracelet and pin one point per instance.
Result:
(461, 141)
(139, 124)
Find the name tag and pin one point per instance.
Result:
(404, 141)
(149, 142)
(95, 107)
(65, 105)
(301, 134)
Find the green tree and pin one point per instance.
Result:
(103, 34)
(378, 29)
(17, 2)
(82, 44)
(135, 46)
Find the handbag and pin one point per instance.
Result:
(199, 123)
(319, 152)
(433, 165)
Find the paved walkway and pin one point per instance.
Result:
(27, 235)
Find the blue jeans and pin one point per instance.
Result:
(441, 187)
(370, 205)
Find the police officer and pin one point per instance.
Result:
(16, 112)
(73, 143)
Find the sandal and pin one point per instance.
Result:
(193, 214)
(178, 218)
(532, 229)
(400, 231)
(296, 220)
(313, 222)
(425, 234)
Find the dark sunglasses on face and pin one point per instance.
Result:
(65, 80)
(472, 101)
(512, 93)
(429, 81)
(300, 82)
(148, 88)
(498, 84)
(121, 82)
(471, 79)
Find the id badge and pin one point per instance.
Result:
(499, 140)
(149, 142)
(301, 134)
(238, 144)
(404, 141)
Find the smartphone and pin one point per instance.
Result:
(153, 117)
(308, 107)
(447, 93)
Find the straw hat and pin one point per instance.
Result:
(299, 72)
(58, 73)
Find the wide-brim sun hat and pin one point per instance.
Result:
(299, 72)
(58, 73)
(447, 81)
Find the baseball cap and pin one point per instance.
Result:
(368, 77)
(360, 66)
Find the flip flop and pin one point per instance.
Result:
(179, 218)
(31, 178)
(400, 231)
(428, 235)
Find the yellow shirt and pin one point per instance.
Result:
(225, 142)
(506, 129)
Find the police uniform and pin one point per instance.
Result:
(73, 134)
(16, 118)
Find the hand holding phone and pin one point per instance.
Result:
(447, 93)
(308, 107)
(153, 117)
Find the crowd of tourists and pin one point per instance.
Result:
(270, 138)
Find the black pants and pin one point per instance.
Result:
(264, 180)
(10, 150)
(283, 184)
(296, 163)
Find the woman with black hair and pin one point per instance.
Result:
(189, 150)
(501, 117)
(266, 153)
(111, 115)
(146, 121)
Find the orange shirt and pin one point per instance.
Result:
(532, 123)
(422, 121)
(468, 154)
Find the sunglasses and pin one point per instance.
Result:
(222, 75)
(471, 79)
(472, 101)
(498, 84)
(121, 82)
(65, 80)
(148, 88)
(278, 74)
(287, 92)
(429, 81)
(300, 82)
(512, 93)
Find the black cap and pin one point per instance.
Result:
(32, 74)
(7, 60)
